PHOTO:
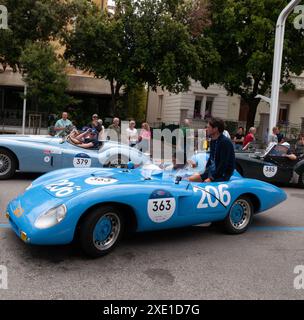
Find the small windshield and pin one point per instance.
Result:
(167, 171)
(278, 150)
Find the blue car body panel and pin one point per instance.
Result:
(46, 153)
(156, 200)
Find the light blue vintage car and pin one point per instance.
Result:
(45, 153)
(97, 206)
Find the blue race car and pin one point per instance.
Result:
(46, 153)
(98, 205)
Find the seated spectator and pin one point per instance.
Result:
(144, 138)
(280, 136)
(288, 154)
(115, 126)
(61, 124)
(101, 134)
(299, 148)
(86, 140)
(273, 137)
(226, 134)
(95, 123)
(132, 134)
(73, 137)
(249, 138)
(221, 162)
(239, 139)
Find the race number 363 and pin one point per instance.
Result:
(3, 277)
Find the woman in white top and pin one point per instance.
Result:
(102, 131)
(132, 134)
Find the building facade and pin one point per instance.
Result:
(198, 104)
(82, 86)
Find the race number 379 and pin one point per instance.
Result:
(82, 161)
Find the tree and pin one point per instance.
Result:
(30, 21)
(136, 100)
(143, 42)
(243, 32)
(44, 74)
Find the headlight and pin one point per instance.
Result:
(51, 217)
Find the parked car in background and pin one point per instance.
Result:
(271, 165)
(46, 153)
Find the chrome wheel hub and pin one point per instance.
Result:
(240, 214)
(106, 231)
(5, 164)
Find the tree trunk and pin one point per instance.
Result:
(253, 105)
(113, 98)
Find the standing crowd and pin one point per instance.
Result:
(221, 163)
(95, 132)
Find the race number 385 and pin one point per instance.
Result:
(270, 171)
(161, 210)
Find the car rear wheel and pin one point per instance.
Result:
(239, 217)
(8, 164)
(101, 230)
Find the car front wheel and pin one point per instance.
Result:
(101, 230)
(239, 217)
(7, 164)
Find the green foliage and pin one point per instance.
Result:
(136, 103)
(143, 42)
(30, 21)
(243, 33)
(45, 77)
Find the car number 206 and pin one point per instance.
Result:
(213, 196)
(63, 188)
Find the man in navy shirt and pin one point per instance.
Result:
(221, 163)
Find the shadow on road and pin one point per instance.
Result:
(132, 241)
(73, 252)
(26, 176)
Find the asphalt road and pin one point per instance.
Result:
(192, 263)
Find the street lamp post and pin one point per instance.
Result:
(277, 64)
(24, 109)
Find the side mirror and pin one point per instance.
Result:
(131, 165)
(178, 179)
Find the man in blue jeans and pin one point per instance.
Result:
(221, 163)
